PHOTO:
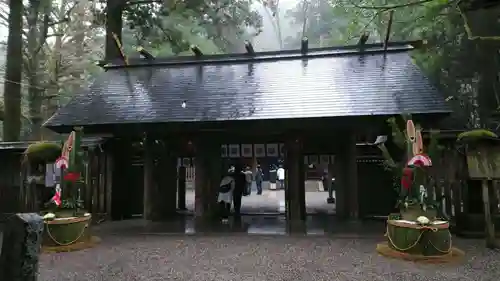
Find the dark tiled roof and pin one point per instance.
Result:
(324, 83)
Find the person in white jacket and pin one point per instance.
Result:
(225, 196)
(281, 177)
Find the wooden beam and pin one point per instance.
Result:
(147, 55)
(295, 183)
(249, 48)
(304, 45)
(196, 51)
(364, 38)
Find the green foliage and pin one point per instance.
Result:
(71, 204)
(171, 28)
(477, 134)
(434, 149)
(42, 151)
(398, 135)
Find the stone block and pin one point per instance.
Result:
(21, 245)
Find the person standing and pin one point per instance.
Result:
(273, 178)
(281, 176)
(326, 179)
(225, 197)
(259, 178)
(248, 180)
(239, 189)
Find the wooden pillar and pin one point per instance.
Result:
(165, 203)
(295, 184)
(199, 181)
(148, 178)
(208, 173)
(346, 176)
(106, 180)
(90, 178)
(181, 188)
(119, 177)
(352, 175)
(214, 165)
(341, 181)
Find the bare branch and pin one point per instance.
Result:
(389, 7)
(138, 2)
(66, 17)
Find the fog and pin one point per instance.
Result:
(268, 40)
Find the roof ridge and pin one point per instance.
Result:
(367, 49)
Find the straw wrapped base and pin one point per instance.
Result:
(412, 238)
(90, 243)
(66, 231)
(455, 255)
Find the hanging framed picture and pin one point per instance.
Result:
(246, 150)
(272, 149)
(234, 150)
(313, 159)
(306, 160)
(223, 151)
(186, 162)
(332, 159)
(282, 149)
(259, 150)
(324, 159)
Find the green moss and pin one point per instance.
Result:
(476, 135)
(42, 152)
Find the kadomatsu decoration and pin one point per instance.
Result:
(67, 226)
(415, 233)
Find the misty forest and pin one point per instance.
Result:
(53, 46)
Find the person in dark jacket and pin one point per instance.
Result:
(273, 178)
(239, 189)
(259, 178)
(249, 179)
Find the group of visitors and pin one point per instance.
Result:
(235, 184)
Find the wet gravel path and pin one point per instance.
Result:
(255, 258)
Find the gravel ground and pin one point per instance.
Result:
(255, 258)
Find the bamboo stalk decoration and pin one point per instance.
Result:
(411, 138)
(411, 171)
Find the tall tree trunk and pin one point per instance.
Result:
(55, 64)
(38, 26)
(114, 25)
(34, 99)
(488, 90)
(13, 73)
(79, 40)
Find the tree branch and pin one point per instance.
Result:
(66, 17)
(139, 2)
(365, 27)
(468, 30)
(389, 7)
(45, 30)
